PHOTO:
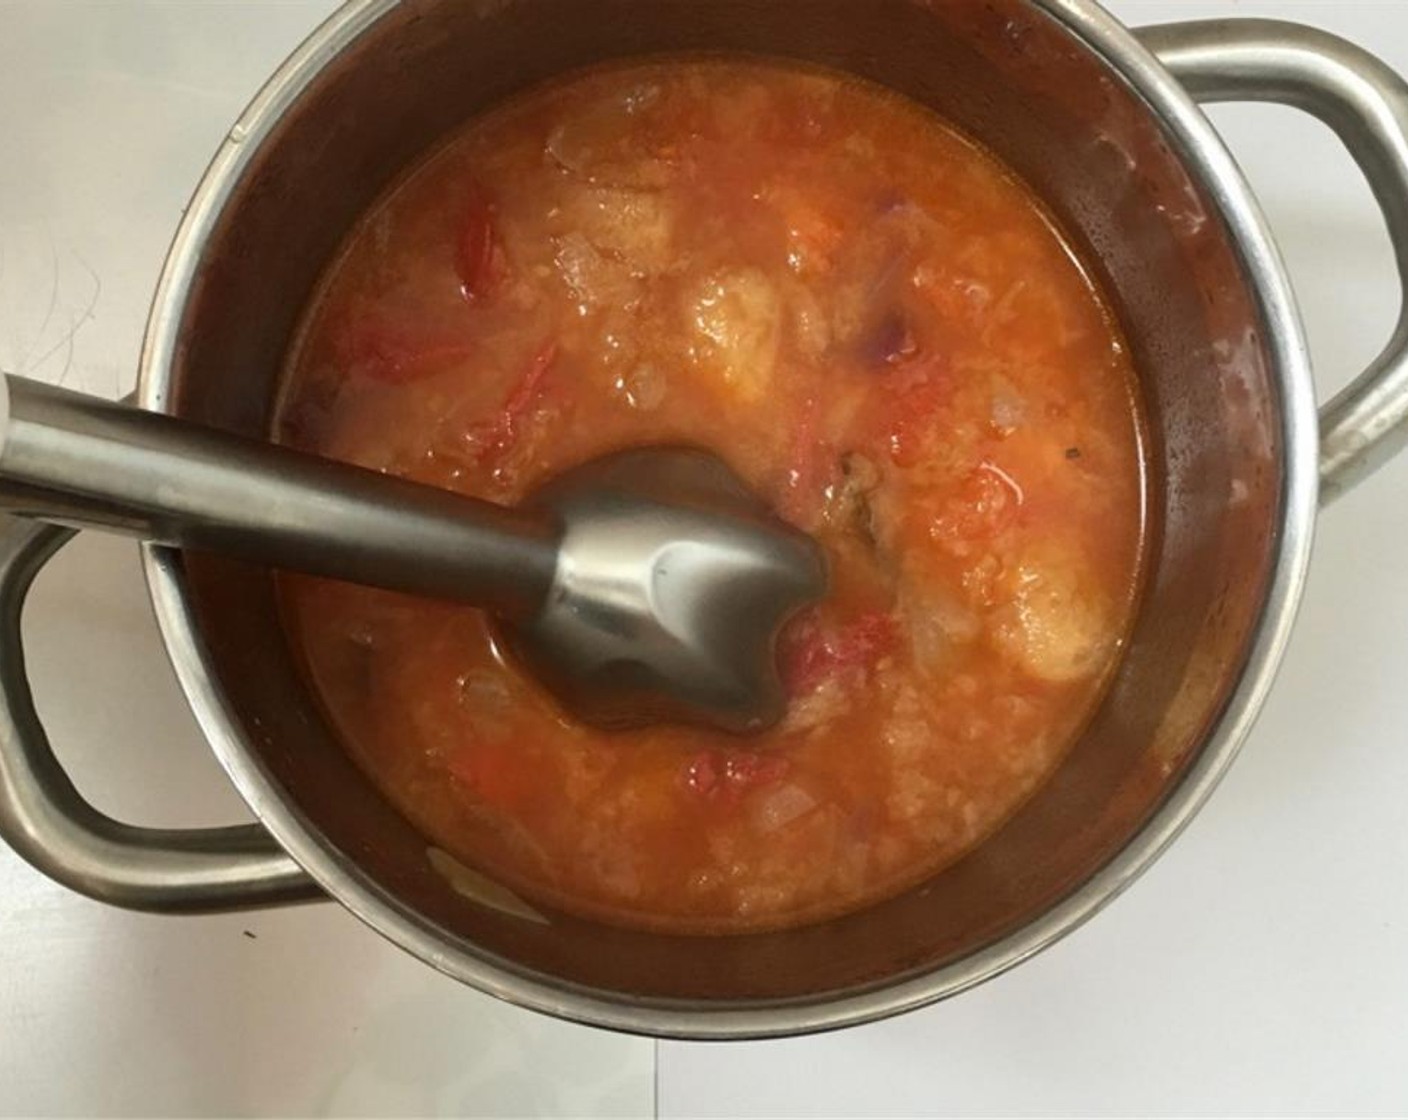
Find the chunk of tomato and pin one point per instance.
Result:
(985, 504)
(476, 244)
(913, 397)
(724, 776)
(497, 436)
(812, 652)
(377, 347)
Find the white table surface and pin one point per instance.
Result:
(1260, 968)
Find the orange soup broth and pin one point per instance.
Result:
(877, 325)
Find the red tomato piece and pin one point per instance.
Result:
(745, 769)
(475, 245)
(528, 387)
(497, 436)
(812, 653)
(393, 353)
(703, 773)
(724, 776)
(917, 392)
(987, 502)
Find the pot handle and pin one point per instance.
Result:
(1366, 103)
(49, 824)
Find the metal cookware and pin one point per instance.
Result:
(1104, 124)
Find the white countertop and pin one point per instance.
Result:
(1260, 968)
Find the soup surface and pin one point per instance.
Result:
(876, 325)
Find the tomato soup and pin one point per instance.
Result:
(876, 324)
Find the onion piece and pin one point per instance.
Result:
(1009, 408)
(780, 806)
(478, 887)
(604, 145)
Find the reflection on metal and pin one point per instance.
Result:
(47, 821)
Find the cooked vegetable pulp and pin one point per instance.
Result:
(875, 324)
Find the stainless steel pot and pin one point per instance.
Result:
(1103, 123)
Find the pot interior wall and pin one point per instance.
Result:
(1004, 73)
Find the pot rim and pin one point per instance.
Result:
(1208, 161)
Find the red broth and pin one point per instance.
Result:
(875, 323)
